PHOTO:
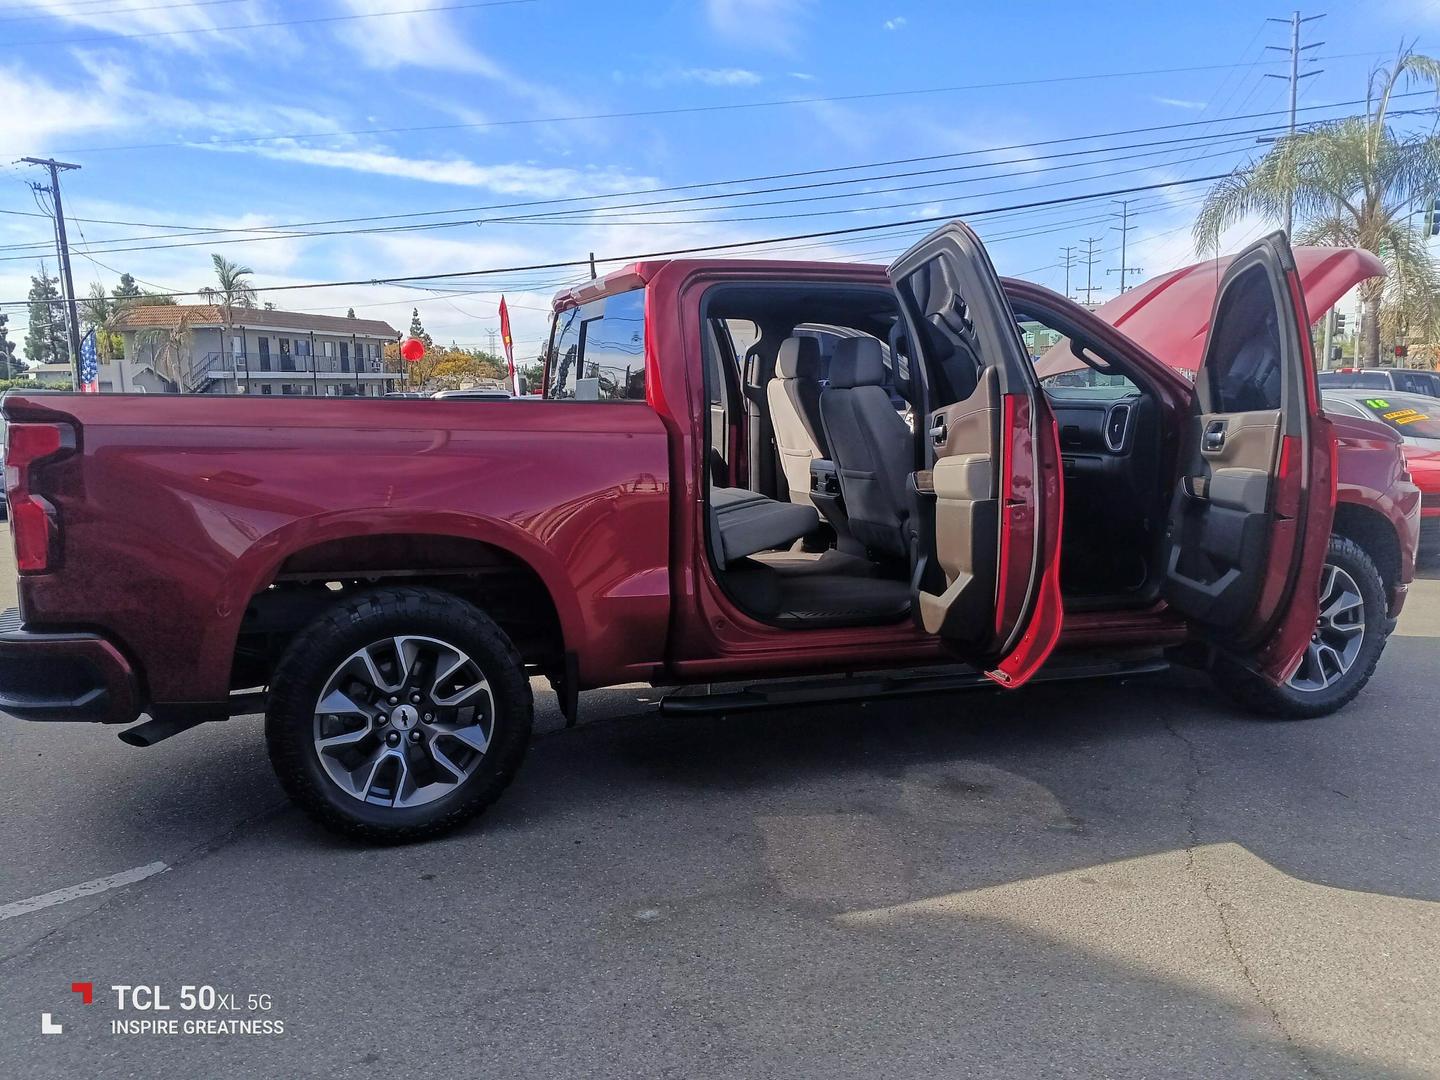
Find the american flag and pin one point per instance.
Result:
(89, 364)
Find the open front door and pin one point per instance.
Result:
(988, 491)
(1253, 504)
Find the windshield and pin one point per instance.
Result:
(1413, 417)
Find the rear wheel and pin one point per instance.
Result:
(1344, 648)
(398, 715)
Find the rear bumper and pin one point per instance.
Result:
(70, 676)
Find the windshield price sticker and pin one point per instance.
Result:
(1405, 416)
(191, 1009)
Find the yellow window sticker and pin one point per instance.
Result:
(1406, 416)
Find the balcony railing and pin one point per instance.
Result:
(232, 366)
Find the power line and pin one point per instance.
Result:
(70, 9)
(551, 220)
(208, 230)
(1124, 230)
(1294, 51)
(268, 25)
(685, 110)
(270, 233)
(730, 246)
(62, 250)
(278, 231)
(1091, 258)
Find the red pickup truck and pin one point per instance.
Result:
(740, 471)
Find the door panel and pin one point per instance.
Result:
(963, 480)
(1255, 486)
(988, 496)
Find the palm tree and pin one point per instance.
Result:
(235, 291)
(1352, 183)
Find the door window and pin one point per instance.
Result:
(597, 351)
(1246, 342)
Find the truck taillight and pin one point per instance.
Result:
(33, 521)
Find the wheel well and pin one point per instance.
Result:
(312, 579)
(1370, 529)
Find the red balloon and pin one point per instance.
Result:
(412, 349)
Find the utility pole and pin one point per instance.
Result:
(1089, 261)
(1067, 260)
(63, 253)
(1294, 49)
(1124, 230)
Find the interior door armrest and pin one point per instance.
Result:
(924, 482)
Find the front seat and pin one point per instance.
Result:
(794, 396)
(871, 446)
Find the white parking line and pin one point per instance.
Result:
(85, 888)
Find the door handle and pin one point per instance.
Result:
(938, 432)
(1214, 437)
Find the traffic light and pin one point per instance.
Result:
(1339, 325)
(1432, 218)
(1402, 351)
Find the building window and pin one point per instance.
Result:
(597, 351)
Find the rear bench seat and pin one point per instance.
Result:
(744, 522)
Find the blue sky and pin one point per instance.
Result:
(211, 120)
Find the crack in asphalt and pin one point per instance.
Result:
(190, 856)
(1189, 809)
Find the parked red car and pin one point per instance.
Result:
(1416, 420)
(872, 479)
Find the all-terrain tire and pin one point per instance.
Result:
(351, 625)
(1286, 702)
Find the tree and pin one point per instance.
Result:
(417, 329)
(127, 289)
(446, 367)
(102, 312)
(9, 366)
(235, 290)
(45, 341)
(1352, 183)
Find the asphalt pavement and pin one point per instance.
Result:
(1122, 879)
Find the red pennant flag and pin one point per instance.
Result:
(509, 347)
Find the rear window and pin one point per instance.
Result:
(1411, 418)
(597, 351)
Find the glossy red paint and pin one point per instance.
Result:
(179, 509)
(1371, 480)
(1038, 509)
(1424, 466)
(1169, 315)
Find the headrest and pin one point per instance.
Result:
(799, 358)
(857, 362)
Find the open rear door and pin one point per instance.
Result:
(988, 491)
(1253, 504)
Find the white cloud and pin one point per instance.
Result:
(774, 25)
(518, 179)
(1180, 103)
(721, 76)
(161, 22)
(36, 113)
(429, 39)
(803, 76)
(897, 23)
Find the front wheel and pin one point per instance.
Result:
(1344, 648)
(398, 714)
